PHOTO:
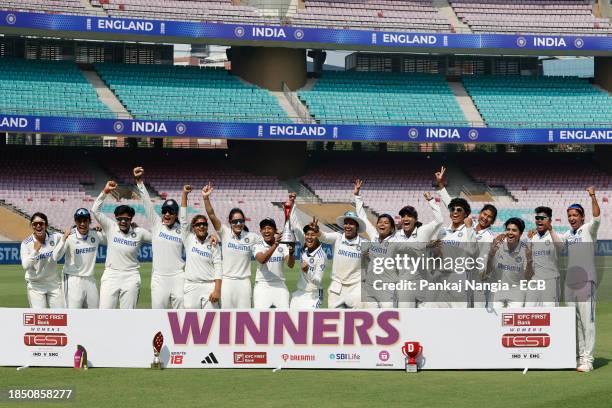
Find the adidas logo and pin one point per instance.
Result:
(210, 359)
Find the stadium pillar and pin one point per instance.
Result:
(268, 158)
(269, 67)
(603, 72)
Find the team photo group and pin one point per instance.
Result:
(194, 267)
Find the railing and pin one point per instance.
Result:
(297, 105)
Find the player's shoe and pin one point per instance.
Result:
(585, 368)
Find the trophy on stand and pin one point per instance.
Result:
(288, 236)
(412, 349)
(158, 342)
(80, 358)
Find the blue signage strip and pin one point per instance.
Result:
(267, 131)
(338, 37)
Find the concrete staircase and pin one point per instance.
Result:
(466, 104)
(104, 93)
(286, 105)
(447, 11)
(304, 193)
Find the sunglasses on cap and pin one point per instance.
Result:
(541, 217)
(200, 224)
(237, 222)
(456, 209)
(123, 219)
(38, 224)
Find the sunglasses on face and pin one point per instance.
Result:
(541, 217)
(456, 209)
(168, 211)
(237, 222)
(38, 224)
(123, 219)
(200, 224)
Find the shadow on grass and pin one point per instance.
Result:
(600, 362)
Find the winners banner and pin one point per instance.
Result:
(531, 338)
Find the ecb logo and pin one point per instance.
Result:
(239, 32)
(181, 128)
(11, 19)
(579, 43)
(521, 42)
(473, 134)
(298, 34)
(413, 133)
(118, 127)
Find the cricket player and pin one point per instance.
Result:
(379, 247)
(236, 247)
(168, 277)
(309, 293)
(270, 289)
(457, 242)
(510, 260)
(484, 238)
(80, 247)
(44, 288)
(203, 266)
(581, 278)
(344, 290)
(546, 245)
(121, 279)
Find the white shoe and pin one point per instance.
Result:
(585, 368)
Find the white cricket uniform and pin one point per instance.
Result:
(79, 252)
(44, 288)
(202, 268)
(270, 289)
(345, 288)
(416, 245)
(581, 284)
(484, 239)
(167, 278)
(309, 293)
(236, 251)
(545, 268)
(121, 278)
(459, 245)
(509, 267)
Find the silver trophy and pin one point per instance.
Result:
(288, 236)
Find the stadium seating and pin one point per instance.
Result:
(522, 101)
(48, 88)
(382, 98)
(45, 6)
(531, 16)
(187, 10)
(416, 15)
(168, 92)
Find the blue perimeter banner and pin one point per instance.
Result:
(339, 37)
(267, 131)
(9, 253)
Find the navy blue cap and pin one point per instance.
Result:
(171, 205)
(267, 221)
(82, 213)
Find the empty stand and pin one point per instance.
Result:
(168, 92)
(48, 88)
(382, 98)
(524, 101)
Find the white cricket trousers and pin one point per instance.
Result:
(45, 295)
(236, 293)
(119, 288)
(81, 292)
(197, 293)
(167, 291)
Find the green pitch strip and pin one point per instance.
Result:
(252, 388)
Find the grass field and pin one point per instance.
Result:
(338, 388)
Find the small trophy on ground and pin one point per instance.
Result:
(412, 350)
(288, 236)
(158, 342)
(80, 358)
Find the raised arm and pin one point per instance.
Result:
(183, 211)
(105, 222)
(293, 219)
(61, 246)
(429, 229)
(361, 212)
(262, 256)
(152, 216)
(28, 256)
(206, 192)
(444, 196)
(594, 204)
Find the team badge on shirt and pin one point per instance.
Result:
(280, 249)
(52, 243)
(519, 259)
(460, 234)
(246, 240)
(209, 247)
(93, 240)
(311, 260)
(133, 235)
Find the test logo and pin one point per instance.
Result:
(45, 339)
(525, 340)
